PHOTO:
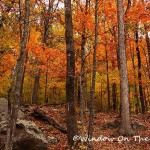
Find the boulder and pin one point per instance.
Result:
(114, 124)
(27, 136)
(52, 140)
(4, 110)
(138, 126)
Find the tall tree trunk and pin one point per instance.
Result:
(70, 76)
(79, 97)
(18, 82)
(46, 82)
(139, 74)
(82, 76)
(147, 72)
(24, 71)
(92, 90)
(108, 86)
(148, 96)
(117, 49)
(82, 72)
(35, 93)
(147, 42)
(137, 105)
(101, 96)
(125, 128)
(114, 97)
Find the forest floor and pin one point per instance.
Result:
(107, 137)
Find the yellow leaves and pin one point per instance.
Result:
(34, 39)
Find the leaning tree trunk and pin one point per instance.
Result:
(125, 128)
(18, 82)
(70, 76)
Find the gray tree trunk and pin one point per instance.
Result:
(125, 128)
(18, 82)
(92, 90)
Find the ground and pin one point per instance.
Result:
(105, 138)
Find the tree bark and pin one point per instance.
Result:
(139, 74)
(108, 86)
(137, 105)
(19, 78)
(70, 75)
(114, 97)
(35, 93)
(125, 128)
(46, 82)
(147, 42)
(92, 90)
(24, 71)
(82, 76)
(101, 96)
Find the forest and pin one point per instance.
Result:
(74, 74)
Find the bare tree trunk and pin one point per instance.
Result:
(101, 97)
(147, 63)
(79, 97)
(114, 97)
(125, 128)
(46, 81)
(35, 93)
(70, 77)
(139, 74)
(148, 97)
(137, 105)
(24, 71)
(82, 76)
(92, 90)
(108, 86)
(18, 82)
(147, 42)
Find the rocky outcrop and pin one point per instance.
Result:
(27, 137)
(4, 110)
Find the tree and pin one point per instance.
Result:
(139, 72)
(18, 82)
(125, 128)
(70, 75)
(92, 90)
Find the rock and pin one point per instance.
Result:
(27, 136)
(3, 126)
(138, 126)
(52, 140)
(4, 110)
(114, 124)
